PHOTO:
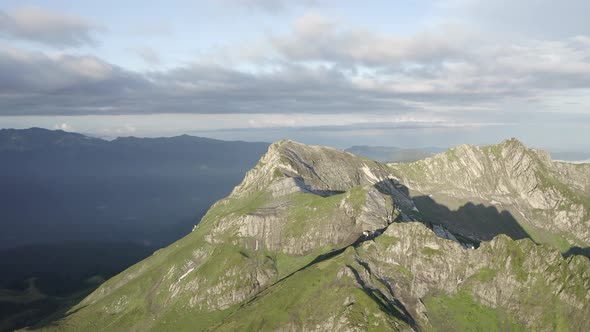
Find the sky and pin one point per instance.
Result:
(408, 73)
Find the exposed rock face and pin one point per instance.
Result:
(515, 276)
(549, 199)
(319, 239)
(309, 197)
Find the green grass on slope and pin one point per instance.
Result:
(144, 302)
(562, 242)
(190, 320)
(495, 150)
(307, 210)
(548, 180)
(238, 206)
(320, 294)
(459, 312)
(310, 211)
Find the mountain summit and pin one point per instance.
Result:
(316, 238)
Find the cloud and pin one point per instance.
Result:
(36, 83)
(126, 129)
(316, 38)
(482, 63)
(148, 55)
(154, 29)
(63, 126)
(272, 6)
(342, 120)
(46, 27)
(443, 63)
(537, 18)
(320, 67)
(28, 73)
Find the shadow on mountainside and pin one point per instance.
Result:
(470, 223)
(474, 222)
(575, 250)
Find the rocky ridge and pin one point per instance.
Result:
(549, 199)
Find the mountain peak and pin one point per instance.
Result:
(469, 154)
(513, 146)
(291, 166)
(513, 143)
(512, 140)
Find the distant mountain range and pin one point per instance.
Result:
(73, 207)
(58, 186)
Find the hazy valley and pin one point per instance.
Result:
(76, 209)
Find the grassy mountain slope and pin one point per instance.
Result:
(319, 239)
